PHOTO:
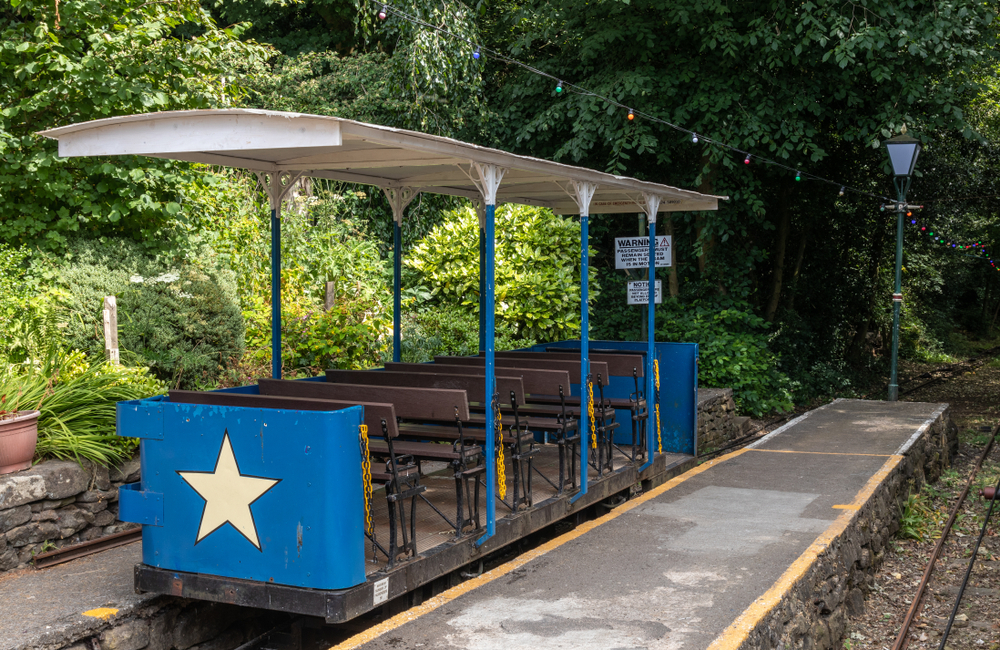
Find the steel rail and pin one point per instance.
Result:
(74, 551)
(903, 639)
(968, 571)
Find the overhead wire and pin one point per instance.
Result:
(563, 85)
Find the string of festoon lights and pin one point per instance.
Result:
(937, 237)
(563, 86)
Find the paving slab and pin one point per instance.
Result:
(41, 608)
(677, 569)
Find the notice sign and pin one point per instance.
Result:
(638, 293)
(633, 252)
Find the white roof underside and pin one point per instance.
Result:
(345, 150)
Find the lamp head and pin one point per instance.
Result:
(903, 151)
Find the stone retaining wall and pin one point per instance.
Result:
(180, 624)
(716, 418)
(812, 613)
(57, 503)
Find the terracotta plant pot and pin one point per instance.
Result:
(18, 437)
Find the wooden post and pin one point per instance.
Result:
(111, 329)
(331, 295)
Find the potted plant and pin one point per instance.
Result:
(18, 437)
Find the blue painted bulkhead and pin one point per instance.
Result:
(305, 528)
(678, 390)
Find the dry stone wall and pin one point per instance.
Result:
(716, 418)
(57, 503)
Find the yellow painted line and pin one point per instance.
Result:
(103, 613)
(451, 594)
(737, 633)
(821, 453)
(847, 507)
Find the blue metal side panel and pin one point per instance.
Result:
(304, 528)
(678, 390)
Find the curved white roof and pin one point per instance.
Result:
(331, 147)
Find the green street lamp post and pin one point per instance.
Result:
(903, 151)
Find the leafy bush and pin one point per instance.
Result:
(180, 317)
(77, 403)
(320, 244)
(916, 343)
(449, 330)
(733, 351)
(537, 269)
(355, 333)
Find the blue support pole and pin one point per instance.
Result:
(275, 294)
(651, 349)
(584, 351)
(482, 289)
(397, 287)
(489, 309)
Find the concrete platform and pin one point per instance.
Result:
(48, 608)
(765, 546)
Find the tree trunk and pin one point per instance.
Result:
(779, 259)
(864, 320)
(794, 283)
(674, 283)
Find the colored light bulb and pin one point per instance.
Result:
(559, 87)
(841, 192)
(746, 161)
(381, 13)
(475, 55)
(798, 176)
(631, 114)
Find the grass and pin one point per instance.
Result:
(921, 520)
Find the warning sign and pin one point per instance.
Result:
(633, 252)
(638, 293)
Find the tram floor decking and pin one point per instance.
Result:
(433, 531)
(679, 566)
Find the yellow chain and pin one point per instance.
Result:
(659, 438)
(366, 476)
(590, 414)
(501, 470)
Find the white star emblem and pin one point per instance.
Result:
(228, 495)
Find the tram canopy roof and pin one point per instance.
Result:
(335, 148)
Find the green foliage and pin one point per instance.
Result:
(916, 343)
(537, 269)
(77, 403)
(449, 330)
(88, 60)
(920, 521)
(321, 243)
(353, 334)
(179, 316)
(732, 351)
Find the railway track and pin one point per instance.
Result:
(945, 373)
(924, 622)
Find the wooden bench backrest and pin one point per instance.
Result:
(474, 387)
(418, 403)
(572, 367)
(618, 364)
(374, 412)
(535, 382)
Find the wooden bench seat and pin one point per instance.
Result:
(534, 380)
(572, 367)
(474, 386)
(617, 364)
